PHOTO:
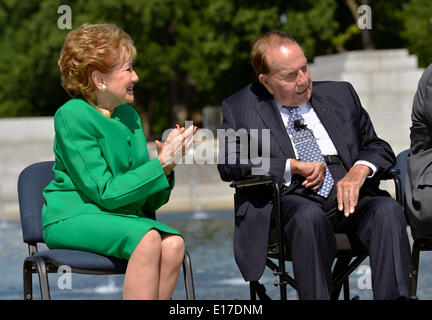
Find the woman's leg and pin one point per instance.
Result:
(148, 269)
(142, 274)
(170, 262)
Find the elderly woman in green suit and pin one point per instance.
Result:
(105, 182)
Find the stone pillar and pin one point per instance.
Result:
(385, 80)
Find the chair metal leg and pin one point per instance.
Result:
(341, 264)
(412, 294)
(346, 289)
(287, 278)
(252, 289)
(340, 278)
(27, 279)
(43, 278)
(279, 230)
(188, 278)
(258, 290)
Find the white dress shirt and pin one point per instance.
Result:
(320, 133)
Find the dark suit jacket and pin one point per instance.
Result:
(419, 166)
(348, 125)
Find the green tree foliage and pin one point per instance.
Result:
(386, 25)
(191, 53)
(29, 46)
(417, 31)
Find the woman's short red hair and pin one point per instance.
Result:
(88, 48)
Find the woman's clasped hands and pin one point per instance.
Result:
(178, 142)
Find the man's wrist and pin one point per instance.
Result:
(293, 166)
(366, 170)
(369, 165)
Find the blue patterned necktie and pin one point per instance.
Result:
(307, 147)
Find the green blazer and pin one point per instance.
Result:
(102, 165)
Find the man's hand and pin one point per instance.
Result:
(348, 188)
(312, 171)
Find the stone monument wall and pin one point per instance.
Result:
(385, 80)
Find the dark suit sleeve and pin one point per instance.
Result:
(235, 158)
(372, 148)
(421, 116)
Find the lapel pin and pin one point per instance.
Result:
(326, 109)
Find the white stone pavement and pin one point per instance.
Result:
(386, 81)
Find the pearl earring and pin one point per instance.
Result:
(104, 87)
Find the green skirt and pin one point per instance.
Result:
(114, 235)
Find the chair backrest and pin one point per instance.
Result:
(31, 182)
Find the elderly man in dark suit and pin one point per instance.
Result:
(419, 169)
(323, 147)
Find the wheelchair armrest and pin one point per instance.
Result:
(391, 174)
(254, 180)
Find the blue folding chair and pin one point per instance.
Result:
(31, 182)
